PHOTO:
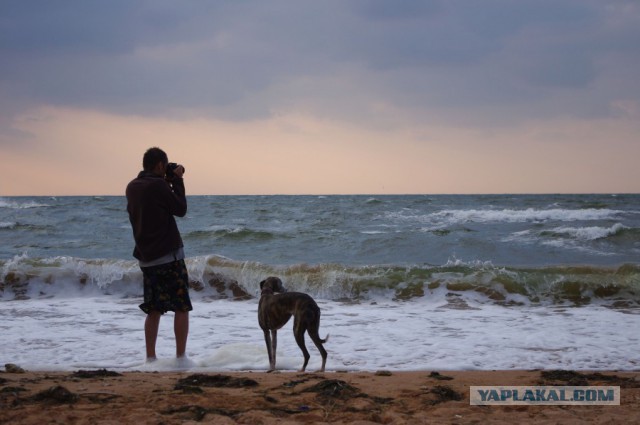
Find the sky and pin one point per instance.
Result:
(322, 97)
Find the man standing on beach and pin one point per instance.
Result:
(153, 199)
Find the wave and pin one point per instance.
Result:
(455, 283)
(617, 233)
(529, 215)
(15, 225)
(237, 233)
(15, 204)
(587, 233)
(373, 201)
(452, 217)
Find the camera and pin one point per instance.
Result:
(170, 170)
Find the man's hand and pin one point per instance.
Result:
(179, 171)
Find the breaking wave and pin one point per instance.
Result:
(216, 277)
(456, 217)
(587, 233)
(13, 204)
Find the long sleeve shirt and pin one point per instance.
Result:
(152, 204)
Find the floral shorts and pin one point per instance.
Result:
(166, 288)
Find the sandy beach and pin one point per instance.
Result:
(107, 397)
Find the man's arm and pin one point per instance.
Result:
(178, 198)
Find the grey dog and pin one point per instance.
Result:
(276, 308)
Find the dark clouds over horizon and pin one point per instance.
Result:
(461, 63)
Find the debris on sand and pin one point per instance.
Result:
(196, 413)
(293, 383)
(220, 381)
(576, 379)
(334, 388)
(12, 368)
(442, 393)
(188, 389)
(436, 375)
(569, 377)
(57, 395)
(12, 390)
(100, 373)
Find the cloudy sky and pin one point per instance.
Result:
(322, 97)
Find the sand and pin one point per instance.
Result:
(387, 397)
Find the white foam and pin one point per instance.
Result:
(426, 334)
(452, 217)
(164, 365)
(568, 237)
(530, 214)
(589, 233)
(4, 203)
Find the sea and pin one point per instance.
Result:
(404, 282)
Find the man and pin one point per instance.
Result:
(153, 199)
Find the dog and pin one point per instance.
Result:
(276, 307)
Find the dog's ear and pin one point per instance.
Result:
(262, 284)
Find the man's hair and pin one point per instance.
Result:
(151, 158)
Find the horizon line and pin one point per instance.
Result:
(350, 194)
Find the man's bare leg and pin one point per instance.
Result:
(151, 325)
(181, 330)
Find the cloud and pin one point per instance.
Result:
(465, 63)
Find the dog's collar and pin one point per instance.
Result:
(267, 291)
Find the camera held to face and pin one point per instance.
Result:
(170, 173)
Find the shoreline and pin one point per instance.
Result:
(106, 397)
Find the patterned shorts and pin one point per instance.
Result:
(166, 288)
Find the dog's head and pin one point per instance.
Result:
(271, 285)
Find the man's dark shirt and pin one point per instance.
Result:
(152, 203)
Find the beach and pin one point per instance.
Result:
(106, 397)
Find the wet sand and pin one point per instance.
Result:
(386, 397)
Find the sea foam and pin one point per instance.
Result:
(107, 332)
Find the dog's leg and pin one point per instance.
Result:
(312, 330)
(267, 340)
(274, 347)
(313, 334)
(298, 333)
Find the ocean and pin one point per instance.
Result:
(405, 282)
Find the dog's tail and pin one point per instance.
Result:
(326, 338)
